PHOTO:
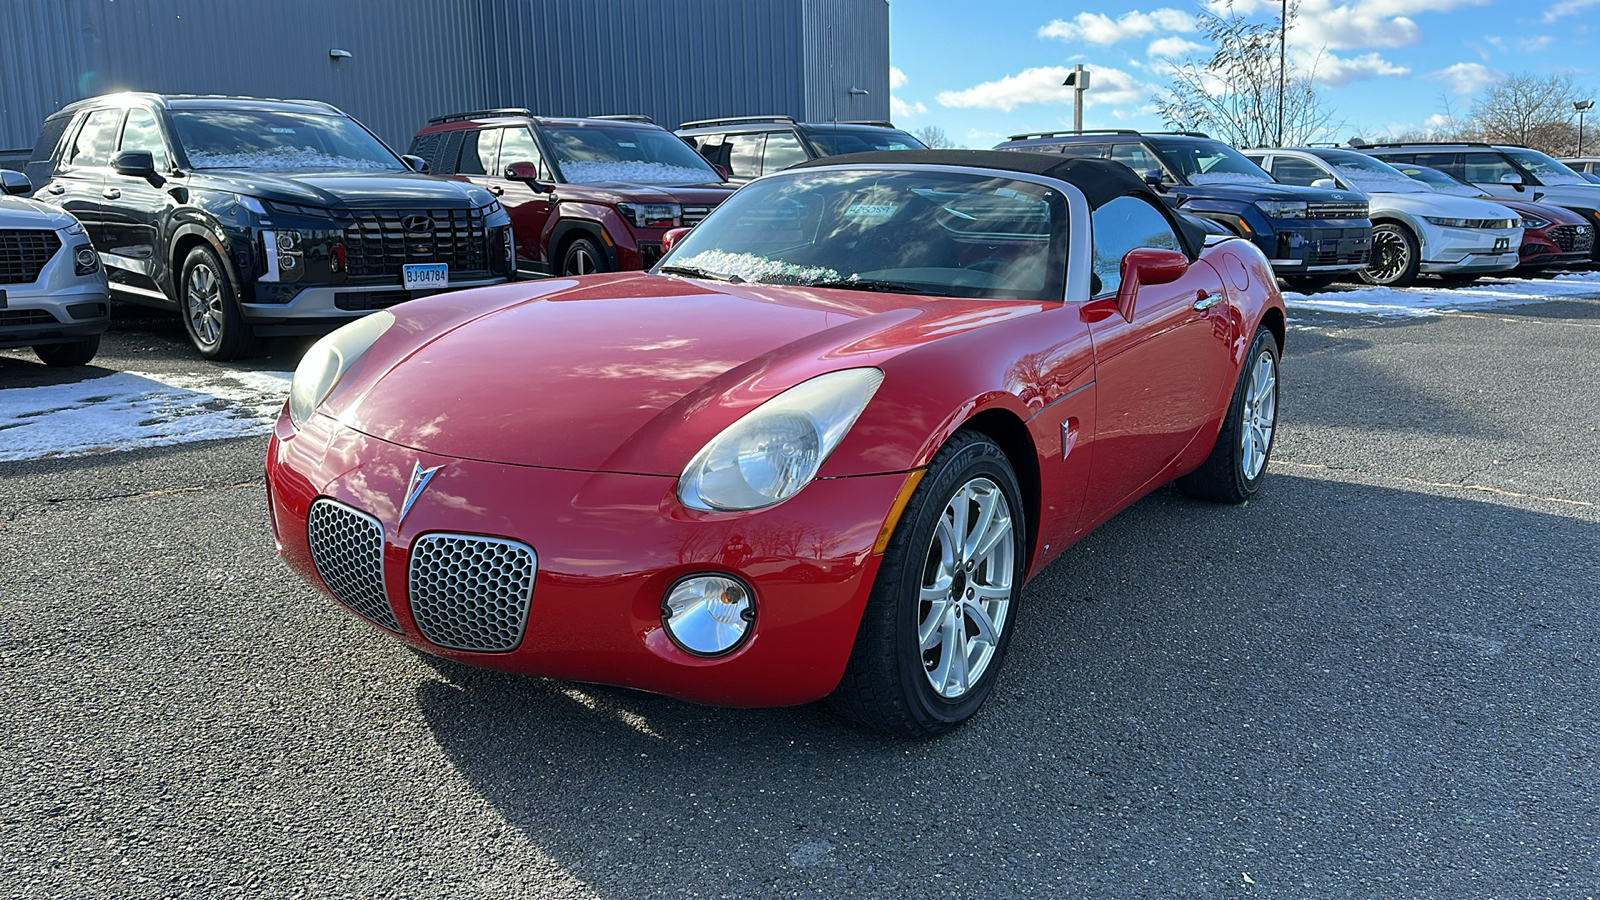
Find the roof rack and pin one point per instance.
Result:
(1426, 144)
(880, 123)
(481, 114)
(1194, 134)
(739, 120)
(627, 117)
(1050, 134)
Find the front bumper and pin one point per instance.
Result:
(59, 306)
(608, 548)
(319, 308)
(1452, 250)
(1320, 249)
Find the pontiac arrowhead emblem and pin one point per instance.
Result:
(419, 481)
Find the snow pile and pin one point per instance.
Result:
(589, 171)
(285, 159)
(1425, 299)
(1377, 181)
(1227, 178)
(130, 410)
(757, 268)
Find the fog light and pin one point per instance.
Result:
(708, 615)
(85, 260)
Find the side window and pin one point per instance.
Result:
(783, 150)
(517, 145)
(1444, 162)
(480, 150)
(1135, 157)
(427, 147)
(142, 132)
(1289, 170)
(1485, 168)
(1124, 224)
(1086, 151)
(95, 139)
(744, 154)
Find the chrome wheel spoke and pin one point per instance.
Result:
(980, 529)
(966, 588)
(987, 632)
(928, 633)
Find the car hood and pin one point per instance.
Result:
(1253, 191)
(620, 373)
(1445, 206)
(20, 212)
(1555, 215)
(1582, 196)
(612, 192)
(349, 190)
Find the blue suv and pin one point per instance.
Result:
(1313, 236)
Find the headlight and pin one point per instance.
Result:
(1443, 222)
(652, 215)
(74, 228)
(328, 359)
(1282, 209)
(1534, 222)
(777, 448)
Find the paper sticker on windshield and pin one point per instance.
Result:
(283, 131)
(871, 210)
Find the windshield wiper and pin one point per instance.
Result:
(692, 272)
(867, 284)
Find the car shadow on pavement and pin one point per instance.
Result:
(1337, 688)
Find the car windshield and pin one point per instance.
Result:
(1443, 182)
(1364, 173)
(947, 234)
(834, 141)
(279, 141)
(1209, 162)
(1545, 168)
(587, 154)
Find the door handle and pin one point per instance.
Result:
(496, 189)
(1208, 300)
(56, 189)
(111, 193)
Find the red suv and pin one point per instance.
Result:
(585, 195)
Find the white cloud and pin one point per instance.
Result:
(1535, 44)
(1466, 77)
(1043, 85)
(1174, 47)
(897, 78)
(1566, 8)
(1360, 24)
(900, 109)
(1337, 71)
(1097, 28)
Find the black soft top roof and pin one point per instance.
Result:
(1100, 180)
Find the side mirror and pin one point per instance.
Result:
(1326, 184)
(1153, 178)
(722, 170)
(1511, 178)
(1147, 266)
(529, 173)
(672, 237)
(415, 163)
(137, 164)
(15, 183)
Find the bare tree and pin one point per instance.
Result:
(1234, 94)
(934, 137)
(1529, 109)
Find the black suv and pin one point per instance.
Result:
(1311, 235)
(748, 147)
(260, 217)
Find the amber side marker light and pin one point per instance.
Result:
(900, 501)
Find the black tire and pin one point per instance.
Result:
(1459, 281)
(1309, 282)
(1395, 257)
(208, 301)
(1225, 476)
(74, 353)
(583, 257)
(888, 682)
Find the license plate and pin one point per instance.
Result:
(423, 276)
(1501, 245)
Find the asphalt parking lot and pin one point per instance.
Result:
(1378, 679)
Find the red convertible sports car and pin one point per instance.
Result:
(815, 453)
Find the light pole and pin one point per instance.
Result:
(1283, 35)
(1078, 80)
(1582, 106)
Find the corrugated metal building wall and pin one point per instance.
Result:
(672, 60)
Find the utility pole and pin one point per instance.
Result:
(1582, 106)
(1283, 34)
(1078, 80)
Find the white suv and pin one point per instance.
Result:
(1415, 229)
(53, 294)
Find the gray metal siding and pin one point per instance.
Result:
(672, 60)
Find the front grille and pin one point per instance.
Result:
(1334, 257)
(23, 253)
(360, 301)
(693, 214)
(1572, 238)
(377, 242)
(1336, 211)
(471, 593)
(27, 317)
(347, 549)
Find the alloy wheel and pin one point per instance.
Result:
(203, 303)
(580, 261)
(1391, 256)
(965, 597)
(1259, 416)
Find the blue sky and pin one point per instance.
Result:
(982, 71)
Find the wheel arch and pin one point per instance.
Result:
(562, 236)
(1008, 430)
(189, 236)
(1273, 320)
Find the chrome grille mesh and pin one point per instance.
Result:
(1572, 238)
(470, 592)
(378, 244)
(347, 549)
(1336, 211)
(693, 214)
(23, 253)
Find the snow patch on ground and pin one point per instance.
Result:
(1426, 299)
(594, 171)
(130, 410)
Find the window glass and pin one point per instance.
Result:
(479, 151)
(1204, 161)
(142, 133)
(1124, 224)
(835, 140)
(1449, 163)
(744, 155)
(1083, 151)
(518, 145)
(1289, 170)
(95, 140)
(1138, 158)
(615, 151)
(274, 140)
(1482, 168)
(783, 150)
(427, 147)
(1545, 168)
